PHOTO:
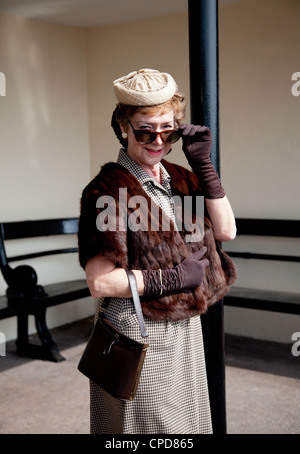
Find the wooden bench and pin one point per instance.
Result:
(268, 300)
(24, 296)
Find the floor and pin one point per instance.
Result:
(41, 397)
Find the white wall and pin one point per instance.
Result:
(260, 146)
(113, 51)
(259, 50)
(55, 122)
(43, 118)
(44, 143)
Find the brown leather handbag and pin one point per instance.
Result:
(112, 360)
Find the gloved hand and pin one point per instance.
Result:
(196, 145)
(188, 274)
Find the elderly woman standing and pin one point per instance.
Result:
(177, 278)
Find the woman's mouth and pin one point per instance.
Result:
(151, 151)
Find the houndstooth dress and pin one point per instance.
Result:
(172, 396)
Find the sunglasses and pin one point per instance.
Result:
(148, 136)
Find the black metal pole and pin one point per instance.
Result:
(204, 94)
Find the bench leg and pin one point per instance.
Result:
(48, 349)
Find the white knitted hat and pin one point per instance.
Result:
(146, 87)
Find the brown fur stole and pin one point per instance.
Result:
(146, 248)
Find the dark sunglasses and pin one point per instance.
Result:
(147, 136)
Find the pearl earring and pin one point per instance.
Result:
(124, 135)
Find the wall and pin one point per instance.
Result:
(116, 50)
(260, 143)
(44, 153)
(259, 52)
(55, 123)
(258, 123)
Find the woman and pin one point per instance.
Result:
(179, 272)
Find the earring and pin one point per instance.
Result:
(124, 135)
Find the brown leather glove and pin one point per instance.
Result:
(188, 274)
(196, 145)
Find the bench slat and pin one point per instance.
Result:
(268, 227)
(33, 255)
(269, 300)
(58, 293)
(43, 227)
(255, 255)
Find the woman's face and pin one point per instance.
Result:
(149, 154)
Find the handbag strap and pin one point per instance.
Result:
(137, 302)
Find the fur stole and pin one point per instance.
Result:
(149, 247)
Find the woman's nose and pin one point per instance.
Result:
(158, 139)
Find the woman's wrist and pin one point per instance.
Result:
(159, 282)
